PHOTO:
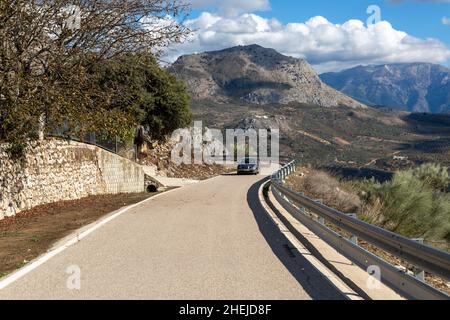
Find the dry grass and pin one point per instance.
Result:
(321, 185)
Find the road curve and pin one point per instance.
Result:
(211, 240)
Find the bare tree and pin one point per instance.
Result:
(49, 48)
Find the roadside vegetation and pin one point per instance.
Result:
(414, 203)
(147, 93)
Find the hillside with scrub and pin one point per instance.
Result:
(414, 202)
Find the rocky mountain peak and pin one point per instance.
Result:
(257, 75)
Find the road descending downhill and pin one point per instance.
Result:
(211, 240)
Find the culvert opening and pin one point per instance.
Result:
(152, 188)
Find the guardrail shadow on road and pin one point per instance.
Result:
(309, 278)
(317, 254)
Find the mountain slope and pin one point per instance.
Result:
(343, 137)
(256, 75)
(418, 87)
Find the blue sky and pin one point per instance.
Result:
(331, 35)
(421, 19)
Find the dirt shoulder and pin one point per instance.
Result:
(33, 232)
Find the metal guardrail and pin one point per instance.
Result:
(422, 257)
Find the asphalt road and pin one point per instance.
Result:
(206, 241)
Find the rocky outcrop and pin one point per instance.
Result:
(256, 75)
(55, 170)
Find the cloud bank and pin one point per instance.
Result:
(326, 45)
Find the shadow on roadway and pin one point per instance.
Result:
(312, 281)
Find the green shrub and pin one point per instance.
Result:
(410, 203)
(434, 175)
(150, 94)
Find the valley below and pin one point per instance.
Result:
(355, 142)
(322, 125)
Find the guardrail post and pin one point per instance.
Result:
(303, 210)
(419, 273)
(353, 238)
(320, 219)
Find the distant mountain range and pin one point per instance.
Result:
(256, 75)
(416, 87)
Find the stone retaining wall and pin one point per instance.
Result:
(55, 170)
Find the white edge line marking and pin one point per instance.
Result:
(72, 241)
(16, 275)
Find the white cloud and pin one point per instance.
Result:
(446, 21)
(326, 45)
(232, 7)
